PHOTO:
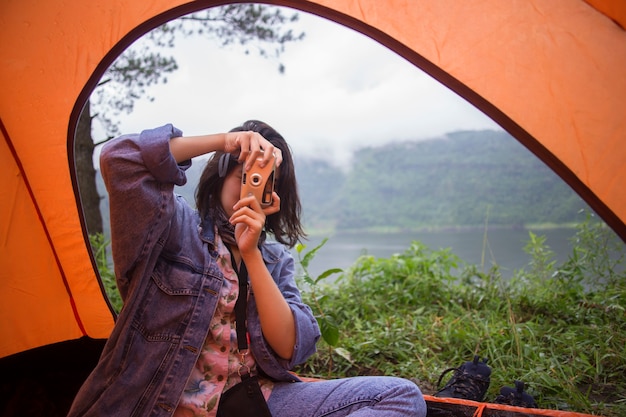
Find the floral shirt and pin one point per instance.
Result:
(218, 365)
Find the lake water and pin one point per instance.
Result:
(503, 247)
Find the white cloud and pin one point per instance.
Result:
(341, 90)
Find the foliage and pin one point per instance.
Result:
(319, 202)
(99, 246)
(445, 182)
(559, 328)
(325, 320)
(147, 62)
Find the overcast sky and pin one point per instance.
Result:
(341, 90)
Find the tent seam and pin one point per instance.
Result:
(45, 228)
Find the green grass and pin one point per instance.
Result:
(559, 328)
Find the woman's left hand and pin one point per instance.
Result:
(249, 220)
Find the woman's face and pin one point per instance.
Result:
(231, 189)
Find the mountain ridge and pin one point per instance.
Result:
(461, 180)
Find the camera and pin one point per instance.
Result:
(259, 182)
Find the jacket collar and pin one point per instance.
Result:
(207, 231)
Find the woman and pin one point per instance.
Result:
(173, 350)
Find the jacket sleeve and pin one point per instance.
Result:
(139, 173)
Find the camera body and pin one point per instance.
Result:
(259, 182)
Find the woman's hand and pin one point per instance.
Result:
(249, 220)
(249, 146)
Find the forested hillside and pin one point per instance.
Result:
(460, 180)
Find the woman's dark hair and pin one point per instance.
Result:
(284, 225)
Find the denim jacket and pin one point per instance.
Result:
(165, 265)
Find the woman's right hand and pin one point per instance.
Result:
(249, 145)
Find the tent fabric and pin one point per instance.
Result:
(456, 407)
(550, 73)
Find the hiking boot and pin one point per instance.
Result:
(516, 396)
(470, 381)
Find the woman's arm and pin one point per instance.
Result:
(247, 145)
(184, 148)
(276, 318)
(275, 315)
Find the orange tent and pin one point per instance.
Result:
(549, 72)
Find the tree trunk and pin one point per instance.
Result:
(86, 173)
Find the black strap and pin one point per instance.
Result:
(241, 304)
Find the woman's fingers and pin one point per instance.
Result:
(250, 145)
(253, 146)
(274, 207)
(249, 221)
(278, 154)
(248, 211)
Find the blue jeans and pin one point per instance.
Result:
(359, 396)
